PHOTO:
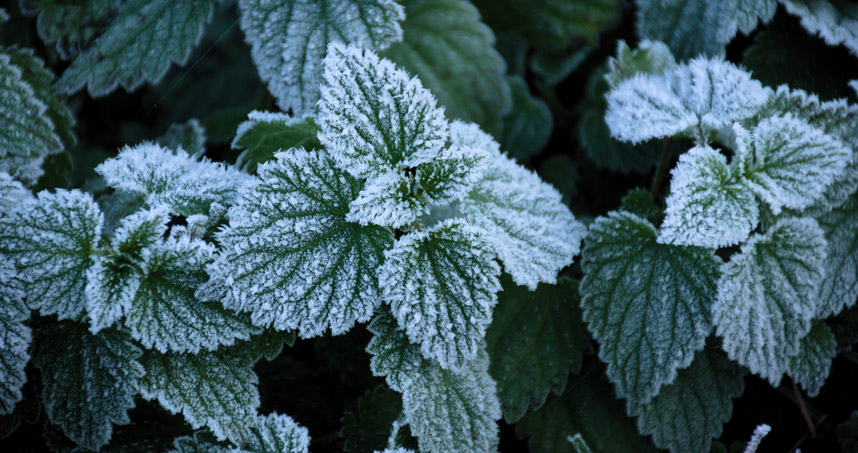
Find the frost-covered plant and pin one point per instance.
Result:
(770, 171)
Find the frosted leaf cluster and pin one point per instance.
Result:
(15, 337)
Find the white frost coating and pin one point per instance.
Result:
(854, 85)
(767, 296)
(694, 98)
(50, 240)
(839, 288)
(175, 179)
(789, 163)
(374, 118)
(759, 433)
(835, 21)
(810, 367)
(165, 314)
(525, 221)
(12, 193)
(277, 433)
(648, 304)
(708, 205)
(387, 200)
(394, 357)
(112, 281)
(290, 258)
(15, 337)
(255, 117)
(442, 287)
(289, 39)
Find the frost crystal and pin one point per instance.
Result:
(835, 21)
(12, 194)
(277, 433)
(265, 133)
(175, 179)
(839, 287)
(648, 304)
(289, 39)
(441, 285)
(767, 296)
(810, 367)
(290, 258)
(15, 337)
(695, 98)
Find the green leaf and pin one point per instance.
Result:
(536, 338)
(847, 433)
(188, 136)
(688, 413)
(290, 258)
(552, 24)
(766, 296)
(648, 304)
(214, 389)
(123, 53)
(264, 133)
(441, 285)
(640, 203)
(89, 381)
(289, 39)
(839, 287)
(526, 223)
(835, 21)
(587, 407)
(368, 428)
(447, 47)
(393, 355)
(71, 25)
(15, 337)
(553, 68)
(561, 171)
(651, 57)
(527, 127)
(277, 433)
(200, 442)
(50, 240)
(810, 367)
(697, 27)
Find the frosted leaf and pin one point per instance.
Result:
(290, 258)
(123, 54)
(72, 26)
(395, 450)
(651, 57)
(535, 340)
(688, 413)
(527, 224)
(442, 285)
(277, 433)
(50, 240)
(767, 296)
(200, 442)
(451, 410)
(12, 194)
(789, 163)
(854, 85)
(113, 280)
(15, 337)
(694, 98)
(839, 288)
(708, 205)
(175, 179)
(374, 118)
(393, 355)
(447, 46)
(212, 389)
(89, 380)
(27, 133)
(189, 136)
(265, 133)
(810, 367)
(290, 38)
(697, 27)
(648, 304)
(835, 21)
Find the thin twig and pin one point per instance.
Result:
(804, 437)
(804, 412)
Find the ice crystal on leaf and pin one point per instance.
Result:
(51, 239)
(442, 286)
(290, 258)
(835, 21)
(12, 194)
(839, 287)
(648, 304)
(810, 367)
(277, 433)
(766, 296)
(265, 133)
(695, 98)
(289, 39)
(15, 337)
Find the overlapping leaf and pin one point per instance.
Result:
(767, 296)
(277, 433)
(393, 355)
(290, 258)
(810, 367)
(15, 337)
(839, 287)
(527, 127)
(648, 304)
(265, 133)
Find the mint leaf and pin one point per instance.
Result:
(265, 133)
(536, 338)
(648, 304)
(766, 296)
(289, 39)
(810, 367)
(15, 337)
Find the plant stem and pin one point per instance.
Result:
(803, 408)
(662, 168)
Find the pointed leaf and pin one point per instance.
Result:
(810, 367)
(15, 337)
(766, 296)
(709, 205)
(89, 380)
(50, 240)
(452, 52)
(123, 54)
(188, 136)
(441, 285)
(393, 355)
(290, 258)
(277, 433)
(648, 304)
(839, 288)
(536, 338)
(651, 57)
(688, 413)
(835, 21)
(265, 133)
(289, 39)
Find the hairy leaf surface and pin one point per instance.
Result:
(277, 433)
(839, 287)
(15, 337)
(265, 133)
(810, 367)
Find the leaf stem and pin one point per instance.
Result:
(662, 168)
(803, 408)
